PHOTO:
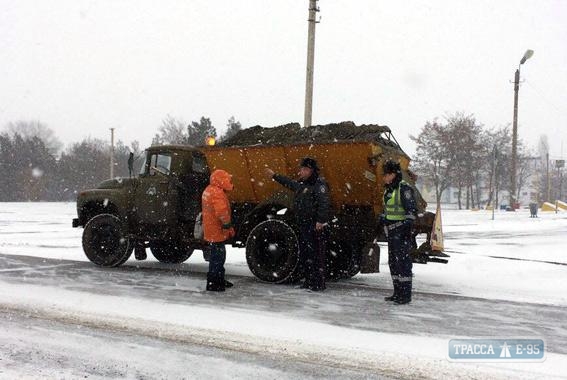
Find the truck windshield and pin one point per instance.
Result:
(161, 162)
(158, 162)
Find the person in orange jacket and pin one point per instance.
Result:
(217, 226)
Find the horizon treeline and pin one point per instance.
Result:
(456, 153)
(33, 166)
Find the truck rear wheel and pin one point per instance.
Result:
(272, 251)
(341, 260)
(171, 252)
(104, 241)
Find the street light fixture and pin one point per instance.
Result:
(527, 55)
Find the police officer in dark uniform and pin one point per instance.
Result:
(312, 209)
(400, 211)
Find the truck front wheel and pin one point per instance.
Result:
(104, 241)
(272, 251)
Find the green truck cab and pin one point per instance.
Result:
(156, 209)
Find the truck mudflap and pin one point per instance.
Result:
(75, 222)
(370, 259)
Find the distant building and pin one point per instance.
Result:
(427, 191)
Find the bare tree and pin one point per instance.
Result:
(30, 129)
(171, 131)
(432, 160)
(466, 152)
(452, 154)
(527, 168)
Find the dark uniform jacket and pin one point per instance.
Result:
(311, 201)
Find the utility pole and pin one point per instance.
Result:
(527, 55)
(548, 178)
(310, 63)
(514, 140)
(111, 152)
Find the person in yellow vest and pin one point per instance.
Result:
(400, 211)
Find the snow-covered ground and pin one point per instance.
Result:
(512, 260)
(513, 257)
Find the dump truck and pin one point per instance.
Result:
(158, 208)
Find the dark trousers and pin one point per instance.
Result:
(216, 263)
(399, 260)
(312, 256)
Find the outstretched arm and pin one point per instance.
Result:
(282, 180)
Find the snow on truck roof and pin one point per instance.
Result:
(187, 148)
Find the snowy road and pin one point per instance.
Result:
(35, 347)
(346, 304)
(63, 317)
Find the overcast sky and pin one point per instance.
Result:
(82, 67)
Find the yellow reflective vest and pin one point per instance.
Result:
(393, 208)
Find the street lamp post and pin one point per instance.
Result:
(527, 55)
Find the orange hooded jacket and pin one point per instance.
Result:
(217, 226)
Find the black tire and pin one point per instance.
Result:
(171, 252)
(272, 252)
(341, 260)
(104, 241)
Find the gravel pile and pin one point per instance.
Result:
(292, 133)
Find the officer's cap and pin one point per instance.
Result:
(391, 167)
(308, 162)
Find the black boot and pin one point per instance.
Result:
(215, 287)
(215, 284)
(228, 284)
(396, 294)
(140, 252)
(405, 293)
(393, 297)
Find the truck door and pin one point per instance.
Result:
(195, 180)
(151, 202)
